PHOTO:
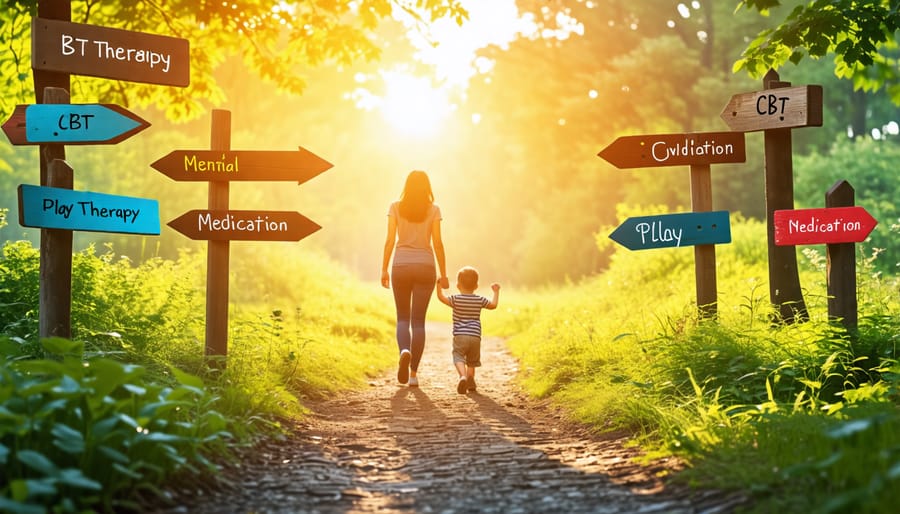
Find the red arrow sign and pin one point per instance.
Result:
(207, 225)
(830, 225)
(675, 149)
(787, 107)
(219, 166)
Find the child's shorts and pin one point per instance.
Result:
(467, 349)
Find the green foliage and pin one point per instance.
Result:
(274, 39)
(103, 420)
(79, 432)
(803, 416)
(867, 165)
(860, 34)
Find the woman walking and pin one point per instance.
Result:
(414, 238)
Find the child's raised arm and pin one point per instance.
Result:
(496, 300)
(440, 294)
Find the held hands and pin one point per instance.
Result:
(443, 283)
(385, 279)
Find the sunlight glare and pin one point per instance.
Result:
(412, 105)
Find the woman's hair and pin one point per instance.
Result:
(416, 197)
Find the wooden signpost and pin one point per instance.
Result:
(776, 110)
(205, 225)
(698, 150)
(219, 166)
(60, 208)
(60, 48)
(72, 124)
(81, 49)
(831, 225)
(674, 230)
(839, 226)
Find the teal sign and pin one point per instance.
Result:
(673, 230)
(51, 207)
(80, 123)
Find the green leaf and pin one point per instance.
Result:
(186, 378)
(75, 478)
(37, 461)
(14, 507)
(60, 346)
(67, 439)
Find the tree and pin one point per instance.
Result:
(277, 40)
(860, 34)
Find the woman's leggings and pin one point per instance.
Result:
(412, 285)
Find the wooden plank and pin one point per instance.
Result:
(831, 225)
(71, 124)
(704, 254)
(780, 108)
(655, 150)
(82, 49)
(241, 165)
(218, 252)
(61, 208)
(244, 225)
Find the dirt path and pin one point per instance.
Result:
(392, 448)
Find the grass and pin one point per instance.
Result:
(103, 421)
(803, 416)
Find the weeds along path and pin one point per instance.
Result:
(392, 448)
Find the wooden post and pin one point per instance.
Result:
(218, 252)
(784, 277)
(55, 296)
(841, 264)
(704, 255)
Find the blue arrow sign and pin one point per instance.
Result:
(52, 207)
(673, 230)
(79, 124)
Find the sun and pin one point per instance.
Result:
(412, 105)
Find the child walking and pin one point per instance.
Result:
(467, 324)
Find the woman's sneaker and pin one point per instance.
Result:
(462, 386)
(403, 369)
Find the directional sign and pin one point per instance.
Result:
(81, 49)
(52, 207)
(788, 107)
(219, 166)
(71, 124)
(675, 149)
(244, 225)
(673, 230)
(830, 225)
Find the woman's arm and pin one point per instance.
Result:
(438, 244)
(388, 250)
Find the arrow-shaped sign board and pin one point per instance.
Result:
(829, 225)
(83, 49)
(71, 124)
(244, 225)
(673, 230)
(58, 208)
(656, 150)
(224, 166)
(788, 107)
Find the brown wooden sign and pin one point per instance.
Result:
(655, 150)
(788, 107)
(81, 49)
(232, 165)
(213, 225)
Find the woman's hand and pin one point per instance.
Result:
(385, 279)
(444, 282)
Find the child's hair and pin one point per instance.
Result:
(468, 277)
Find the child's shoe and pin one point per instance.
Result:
(413, 382)
(470, 383)
(462, 386)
